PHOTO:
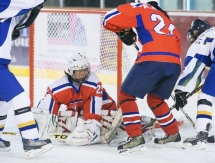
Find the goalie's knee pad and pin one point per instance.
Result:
(46, 123)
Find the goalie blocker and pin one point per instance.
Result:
(65, 127)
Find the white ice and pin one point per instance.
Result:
(101, 153)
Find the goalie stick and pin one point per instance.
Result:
(53, 136)
(10, 133)
(189, 95)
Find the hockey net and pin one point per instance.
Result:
(57, 33)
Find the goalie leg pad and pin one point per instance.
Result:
(46, 123)
(41, 117)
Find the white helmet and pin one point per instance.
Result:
(76, 61)
(145, 1)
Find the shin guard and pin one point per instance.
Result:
(163, 114)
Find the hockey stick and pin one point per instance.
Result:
(185, 114)
(189, 95)
(107, 137)
(53, 136)
(10, 133)
(211, 138)
(136, 47)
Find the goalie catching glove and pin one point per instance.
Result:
(86, 133)
(127, 37)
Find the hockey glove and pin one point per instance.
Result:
(180, 99)
(127, 37)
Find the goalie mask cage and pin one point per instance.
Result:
(56, 33)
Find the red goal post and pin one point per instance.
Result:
(58, 32)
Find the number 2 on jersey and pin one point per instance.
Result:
(99, 89)
(161, 25)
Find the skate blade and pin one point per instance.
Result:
(198, 146)
(136, 150)
(169, 145)
(36, 152)
(116, 142)
(5, 149)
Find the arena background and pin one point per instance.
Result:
(20, 47)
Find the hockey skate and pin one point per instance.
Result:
(172, 141)
(199, 141)
(133, 145)
(35, 148)
(4, 145)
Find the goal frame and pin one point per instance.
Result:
(69, 10)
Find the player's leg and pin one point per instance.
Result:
(162, 90)
(13, 93)
(165, 119)
(204, 113)
(5, 107)
(140, 80)
(27, 127)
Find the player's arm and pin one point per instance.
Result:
(195, 63)
(198, 57)
(11, 8)
(92, 107)
(120, 18)
(49, 102)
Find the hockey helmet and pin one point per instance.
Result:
(77, 61)
(145, 1)
(197, 27)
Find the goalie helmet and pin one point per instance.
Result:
(197, 27)
(77, 62)
(145, 1)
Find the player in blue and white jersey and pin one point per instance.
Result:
(199, 56)
(12, 95)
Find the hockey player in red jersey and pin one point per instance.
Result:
(156, 69)
(81, 91)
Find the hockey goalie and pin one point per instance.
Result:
(90, 115)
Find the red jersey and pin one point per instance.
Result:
(88, 96)
(158, 38)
